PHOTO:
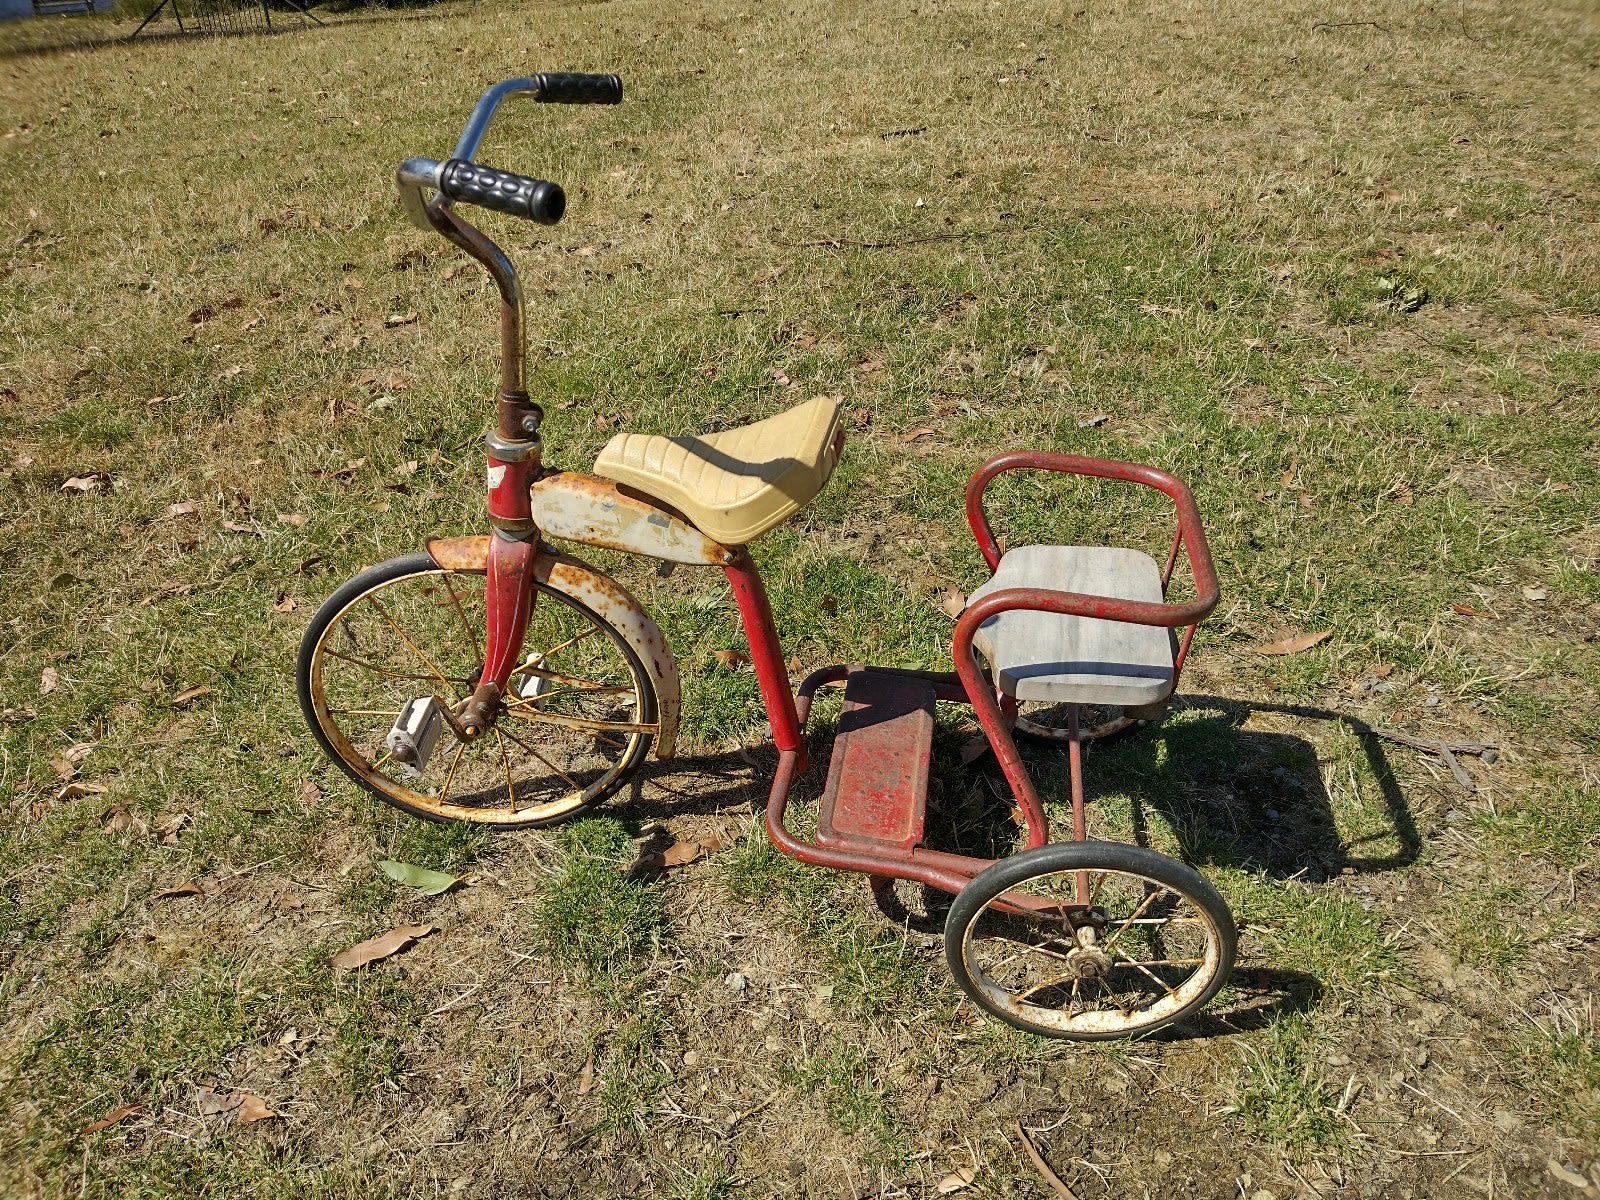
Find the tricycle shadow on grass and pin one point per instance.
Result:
(1230, 795)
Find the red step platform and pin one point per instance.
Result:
(877, 792)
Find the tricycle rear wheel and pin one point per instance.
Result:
(1090, 940)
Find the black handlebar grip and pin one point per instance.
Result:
(569, 87)
(514, 195)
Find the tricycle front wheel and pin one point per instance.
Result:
(1090, 940)
(407, 637)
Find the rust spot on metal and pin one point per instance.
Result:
(460, 553)
(596, 512)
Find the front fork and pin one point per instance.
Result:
(513, 464)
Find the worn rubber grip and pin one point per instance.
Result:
(570, 87)
(501, 191)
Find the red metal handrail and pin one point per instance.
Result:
(1190, 538)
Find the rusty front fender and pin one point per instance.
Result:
(614, 604)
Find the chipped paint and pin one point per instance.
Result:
(581, 508)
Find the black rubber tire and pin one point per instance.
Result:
(1060, 857)
(422, 563)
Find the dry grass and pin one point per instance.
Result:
(1200, 220)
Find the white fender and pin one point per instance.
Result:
(608, 598)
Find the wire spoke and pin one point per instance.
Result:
(570, 780)
(1154, 978)
(472, 637)
(360, 662)
(1123, 927)
(428, 662)
(571, 641)
(505, 759)
(444, 793)
(527, 712)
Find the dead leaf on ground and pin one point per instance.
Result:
(284, 604)
(235, 527)
(395, 320)
(82, 483)
(111, 1118)
(1289, 473)
(869, 365)
(189, 695)
(1295, 644)
(251, 1109)
(407, 468)
(1536, 594)
(295, 519)
(586, 1077)
(48, 679)
(973, 749)
(182, 509)
(732, 659)
(310, 793)
(954, 602)
(242, 1108)
(287, 902)
(232, 372)
(917, 434)
(78, 787)
(182, 889)
(794, 664)
(714, 841)
(117, 819)
(956, 1181)
(1095, 421)
(681, 854)
(168, 828)
(382, 946)
(1466, 610)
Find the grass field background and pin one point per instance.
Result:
(1333, 264)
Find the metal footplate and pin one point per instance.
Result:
(877, 792)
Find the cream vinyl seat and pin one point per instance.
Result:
(734, 485)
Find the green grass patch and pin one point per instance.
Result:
(593, 915)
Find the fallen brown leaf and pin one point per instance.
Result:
(917, 434)
(680, 854)
(111, 1118)
(81, 483)
(954, 602)
(235, 527)
(956, 1181)
(732, 659)
(310, 793)
(295, 519)
(168, 828)
(973, 749)
(1294, 645)
(794, 664)
(586, 1077)
(78, 787)
(183, 509)
(382, 946)
(182, 889)
(189, 695)
(1537, 594)
(48, 679)
(284, 604)
(1466, 610)
(395, 320)
(251, 1109)
(714, 841)
(1095, 421)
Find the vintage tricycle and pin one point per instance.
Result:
(497, 680)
